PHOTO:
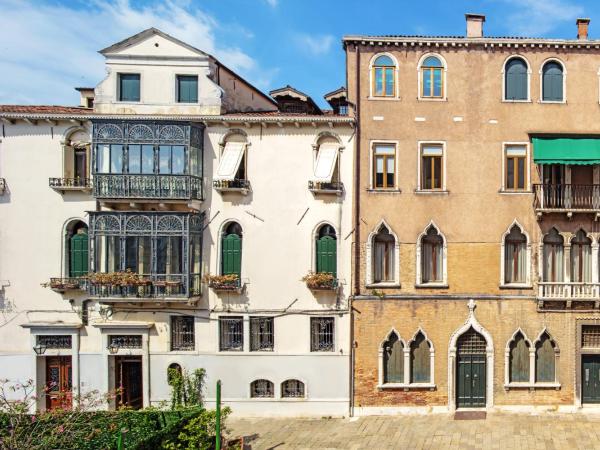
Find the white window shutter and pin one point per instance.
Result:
(325, 165)
(230, 160)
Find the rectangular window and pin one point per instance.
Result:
(231, 334)
(137, 254)
(168, 250)
(515, 167)
(384, 166)
(182, 333)
(171, 159)
(129, 87)
(187, 88)
(109, 158)
(107, 252)
(432, 158)
(321, 334)
(261, 334)
(140, 159)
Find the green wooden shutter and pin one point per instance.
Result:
(327, 255)
(545, 361)
(419, 360)
(187, 88)
(79, 255)
(231, 255)
(516, 80)
(129, 87)
(393, 361)
(552, 82)
(519, 360)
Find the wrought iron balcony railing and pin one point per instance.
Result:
(147, 286)
(70, 184)
(568, 291)
(151, 186)
(567, 197)
(2, 185)
(236, 185)
(68, 284)
(333, 187)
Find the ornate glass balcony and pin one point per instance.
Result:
(171, 187)
(145, 255)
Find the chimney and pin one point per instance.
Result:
(582, 29)
(475, 25)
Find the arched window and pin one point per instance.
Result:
(384, 245)
(231, 250)
(292, 389)
(174, 371)
(516, 80)
(519, 359)
(261, 389)
(581, 258)
(552, 82)
(420, 359)
(393, 359)
(515, 256)
(77, 249)
(326, 250)
(546, 353)
(432, 78)
(383, 77)
(553, 257)
(432, 256)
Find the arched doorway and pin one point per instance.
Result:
(471, 370)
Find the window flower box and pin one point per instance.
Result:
(229, 282)
(66, 284)
(320, 281)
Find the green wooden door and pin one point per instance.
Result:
(471, 370)
(590, 378)
(231, 255)
(78, 255)
(327, 255)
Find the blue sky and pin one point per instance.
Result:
(47, 47)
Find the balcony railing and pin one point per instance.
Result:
(568, 291)
(148, 286)
(333, 187)
(236, 185)
(567, 197)
(167, 187)
(70, 184)
(68, 284)
(2, 185)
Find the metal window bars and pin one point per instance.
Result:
(322, 333)
(55, 342)
(261, 389)
(182, 333)
(471, 343)
(125, 341)
(590, 336)
(292, 389)
(261, 334)
(231, 330)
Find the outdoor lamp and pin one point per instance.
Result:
(113, 348)
(39, 349)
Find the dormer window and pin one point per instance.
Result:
(129, 87)
(187, 89)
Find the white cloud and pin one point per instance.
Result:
(272, 3)
(536, 18)
(48, 49)
(315, 44)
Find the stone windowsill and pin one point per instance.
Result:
(532, 386)
(431, 286)
(383, 191)
(391, 285)
(516, 286)
(432, 191)
(407, 386)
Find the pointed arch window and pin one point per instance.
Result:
(384, 245)
(432, 78)
(581, 258)
(546, 354)
(432, 257)
(552, 82)
(515, 256)
(326, 250)
(383, 77)
(420, 364)
(516, 80)
(519, 359)
(407, 366)
(231, 250)
(393, 359)
(553, 257)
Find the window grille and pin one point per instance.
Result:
(590, 336)
(182, 333)
(58, 342)
(125, 341)
(471, 343)
(261, 334)
(322, 331)
(261, 389)
(292, 389)
(231, 333)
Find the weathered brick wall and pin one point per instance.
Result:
(373, 320)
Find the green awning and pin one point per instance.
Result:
(566, 151)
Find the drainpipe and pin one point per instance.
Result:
(356, 223)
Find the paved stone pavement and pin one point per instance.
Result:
(499, 431)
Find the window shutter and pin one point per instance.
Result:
(519, 360)
(516, 80)
(231, 257)
(393, 361)
(79, 255)
(419, 360)
(326, 255)
(544, 361)
(552, 83)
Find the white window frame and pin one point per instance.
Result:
(372, 144)
(419, 189)
(176, 88)
(370, 258)
(444, 98)
(118, 87)
(396, 95)
(564, 87)
(503, 189)
(527, 283)
(504, 99)
(418, 271)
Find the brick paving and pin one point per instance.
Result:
(498, 431)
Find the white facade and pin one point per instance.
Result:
(278, 214)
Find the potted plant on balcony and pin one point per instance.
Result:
(56, 283)
(230, 282)
(320, 281)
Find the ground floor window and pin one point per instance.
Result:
(261, 389)
(321, 334)
(182, 333)
(231, 333)
(292, 389)
(261, 334)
